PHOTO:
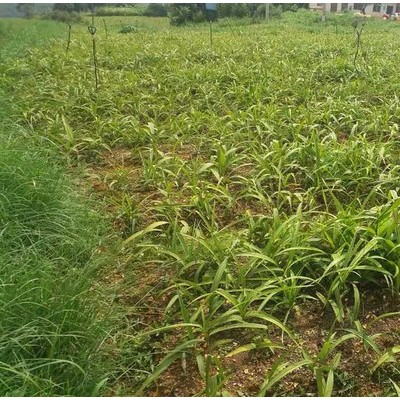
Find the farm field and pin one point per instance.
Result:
(239, 231)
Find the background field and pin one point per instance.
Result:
(250, 188)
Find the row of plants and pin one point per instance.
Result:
(254, 183)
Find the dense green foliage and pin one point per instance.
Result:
(67, 17)
(23, 9)
(184, 13)
(50, 329)
(72, 7)
(262, 176)
(155, 10)
(18, 35)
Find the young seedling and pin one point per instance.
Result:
(214, 381)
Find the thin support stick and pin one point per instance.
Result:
(105, 27)
(211, 36)
(96, 72)
(92, 31)
(69, 38)
(359, 30)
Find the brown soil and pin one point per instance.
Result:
(245, 372)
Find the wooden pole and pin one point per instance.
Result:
(92, 31)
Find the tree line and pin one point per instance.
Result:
(179, 13)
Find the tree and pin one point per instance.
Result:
(27, 9)
(181, 13)
(225, 10)
(155, 10)
(68, 12)
(67, 7)
(240, 10)
(71, 7)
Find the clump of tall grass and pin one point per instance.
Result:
(50, 331)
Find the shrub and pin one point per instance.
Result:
(50, 331)
(155, 10)
(234, 10)
(275, 11)
(128, 29)
(27, 9)
(181, 14)
(64, 16)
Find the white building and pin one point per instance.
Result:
(375, 9)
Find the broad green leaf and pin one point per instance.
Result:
(152, 227)
(279, 373)
(165, 363)
(388, 356)
(266, 344)
(167, 328)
